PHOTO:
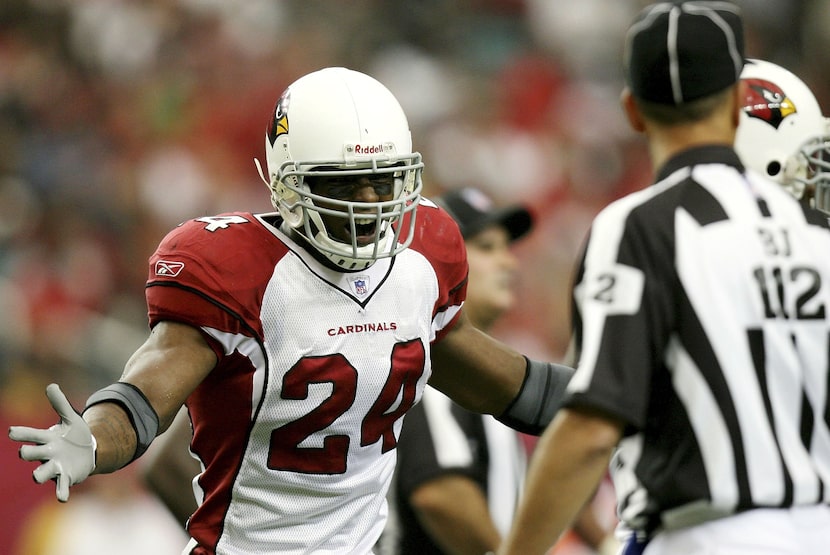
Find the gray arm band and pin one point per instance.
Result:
(541, 395)
(143, 417)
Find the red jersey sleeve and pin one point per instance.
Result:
(212, 271)
(438, 238)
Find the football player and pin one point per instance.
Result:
(298, 339)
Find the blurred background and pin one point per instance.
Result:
(120, 119)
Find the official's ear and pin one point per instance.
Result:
(632, 112)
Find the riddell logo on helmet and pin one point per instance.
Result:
(370, 149)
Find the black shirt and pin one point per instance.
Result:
(701, 321)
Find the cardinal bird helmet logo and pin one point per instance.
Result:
(279, 121)
(766, 101)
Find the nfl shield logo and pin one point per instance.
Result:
(360, 285)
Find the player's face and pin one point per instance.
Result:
(352, 188)
(491, 285)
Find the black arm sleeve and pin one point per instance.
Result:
(541, 395)
(143, 417)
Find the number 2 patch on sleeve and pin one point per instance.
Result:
(618, 289)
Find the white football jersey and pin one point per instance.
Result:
(297, 425)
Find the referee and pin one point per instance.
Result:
(700, 320)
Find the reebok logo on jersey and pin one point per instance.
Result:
(167, 268)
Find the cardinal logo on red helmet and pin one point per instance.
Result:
(766, 101)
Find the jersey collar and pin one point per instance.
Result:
(707, 154)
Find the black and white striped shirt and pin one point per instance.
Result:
(701, 320)
(439, 438)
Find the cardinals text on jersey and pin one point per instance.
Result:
(297, 425)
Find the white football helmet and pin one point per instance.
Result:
(782, 132)
(339, 122)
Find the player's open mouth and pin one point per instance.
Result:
(365, 229)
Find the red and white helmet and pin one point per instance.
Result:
(782, 132)
(337, 121)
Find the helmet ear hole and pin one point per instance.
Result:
(773, 168)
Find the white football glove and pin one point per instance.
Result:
(67, 449)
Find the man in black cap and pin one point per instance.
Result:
(488, 232)
(700, 324)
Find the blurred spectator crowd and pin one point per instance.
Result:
(120, 119)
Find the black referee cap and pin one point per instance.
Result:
(474, 211)
(676, 52)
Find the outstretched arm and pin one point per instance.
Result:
(158, 377)
(166, 368)
(567, 465)
(484, 375)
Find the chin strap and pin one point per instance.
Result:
(285, 200)
(261, 172)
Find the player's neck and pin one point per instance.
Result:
(667, 142)
(718, 128)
